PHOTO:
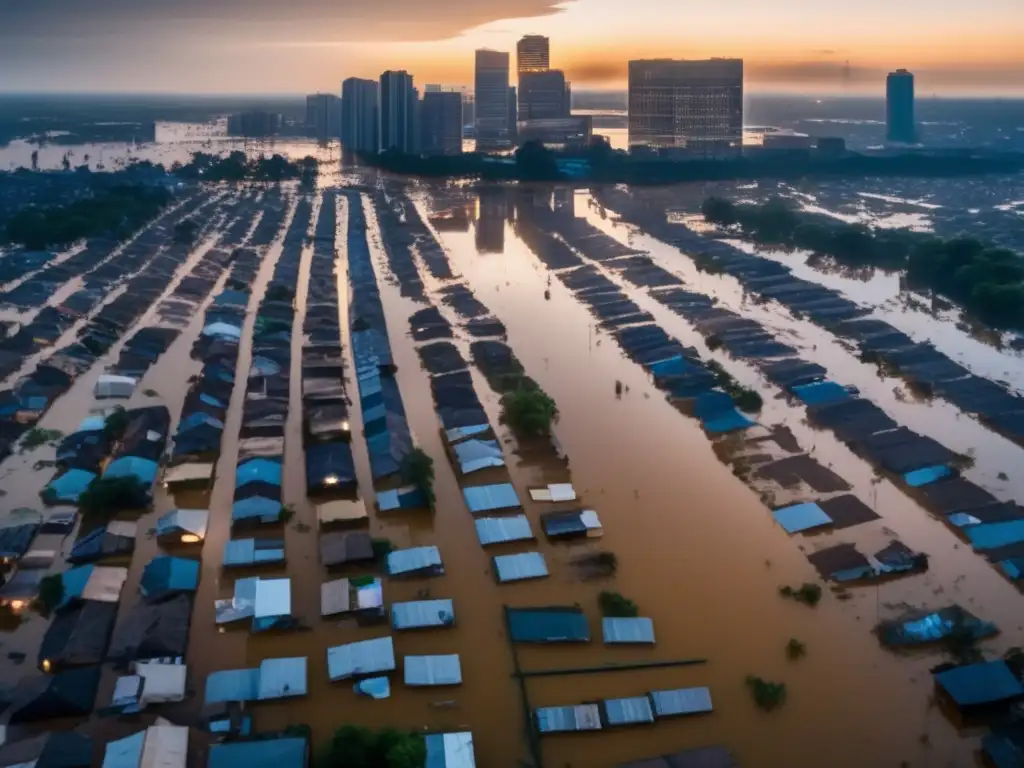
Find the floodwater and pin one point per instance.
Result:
(696, 548)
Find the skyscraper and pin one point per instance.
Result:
(533, 54)
(696, 104)
(323, 116)
(441, 122)
(899, 107)
(492, 98)
(543, 95)
(359, 118)
(399, 107)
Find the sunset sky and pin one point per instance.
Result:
(273, 46)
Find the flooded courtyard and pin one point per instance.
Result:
(295, 325)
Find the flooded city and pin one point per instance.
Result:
(280, 462)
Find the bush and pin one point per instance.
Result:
(614, 604)
(115, 425)
(529, 411)
(37, 437)
(767, 695)
(382, 548)
(354, 746)
(106, 496)
(418, 470)
(795, 649)
(51, 593)
(807, 593)
(185, 232)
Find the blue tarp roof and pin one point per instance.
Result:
(450, 750)
(232, 685)
(169, 574)
(141, 469)
(401, 498)
(801, 517)
(718, 413)
(264, 753)
(548, 625)
(258, 470)
(927, 475)
(986, 683)
(489, 498)
(242, 552)
(994, 535)
(256, 508)
(69, 486)
(821, 392)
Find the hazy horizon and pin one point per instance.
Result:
(249, 47)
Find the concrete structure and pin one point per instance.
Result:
(441, 122)
(566, 131)
(323, 116)
(533, 54)
(255, 124)
(691, 104)
(543, 95)
(492, 99)
(359, 118)
(399, 112)
(899, 107)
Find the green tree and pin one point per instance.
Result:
(529, 411)
(719, 211)
(535, 162)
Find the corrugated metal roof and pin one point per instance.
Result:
(627, 630)
(519, 567)
(474, 455)
(264, 753)
(273, 598)
(432, 670)
(582, 717)
(126, 752)
(681, 701)
(366, 657)
(244, 552)
(450, 750)
(409, 497)
(574, 523)
(554, 492)
(419, 614)
(801, 517)
(280, 678)
(548, 625)
(974, 685)
(629, 711)
(232, 685)
(349, 595)
(184, 522)
(499, 530)
(166, 746)
(489, 498)
(415, 560)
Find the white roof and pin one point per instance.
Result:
(105, 583)
(161, 682)
(403, 561)
(336, 596)
(420, 614)
(582, 717)
(526, 565)
(281, 678)
(159, 746)
(341, 510)
(450, 750)
(474, 455)
(189, 472)
(109, 385)
(681, 701)
(499, 530)
(432, 670)
(621, 630)
(125, 528)
(554, 492)
(366, 657)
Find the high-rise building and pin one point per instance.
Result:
(899, 107)
(533, 54)
(323, 116)
(441, 122)
(255, 124)
(692, 104)
(543, 95)
(399, 108)
(513, 115)
(492, 99)
(468, 114)
(359, 118)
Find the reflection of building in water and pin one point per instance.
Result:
(565, 200)
(455, 220)
(491, 211)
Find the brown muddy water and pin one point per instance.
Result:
(697, 550)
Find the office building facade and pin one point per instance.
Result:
(323, 116)
(543, 95)
(441, 122)
(533, 54)
(491, 89)
(255, 124)
(899, 107)
(696, 105)
(399, 112)
(359, 116)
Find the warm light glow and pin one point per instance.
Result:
(17, 605)
(344, 426)
(332, 480)
(189, 538)
(46, 665)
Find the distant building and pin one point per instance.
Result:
(468, 115)
(492, 210)
(256, 124)
(543, 95)
(513, 115)
(831, 146)
(399, 112)
(359, 115)
(533, 54)
(574, 131)
(899, 107)
(491, 90)
(441, 122)
(691, 104)
(323, 116)
(787, 140)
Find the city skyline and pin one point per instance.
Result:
(264, 46)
